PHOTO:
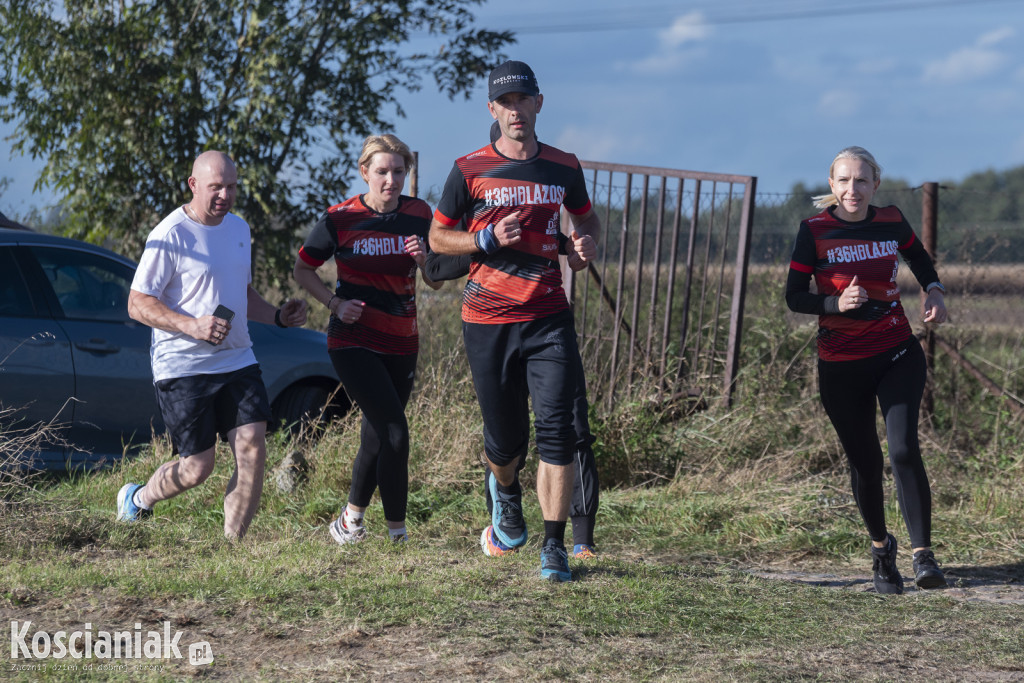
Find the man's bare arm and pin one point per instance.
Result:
(587, 224)
(582, 247)
(293, 312)
(150, 311)
(448, 240)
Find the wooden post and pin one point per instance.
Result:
(929, 237)
(414, 177)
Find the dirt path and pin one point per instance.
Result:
(1001, 584)
(252, 647)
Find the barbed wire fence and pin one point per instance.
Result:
(682, 345)
(979, 254)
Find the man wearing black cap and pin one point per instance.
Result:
(517, 325)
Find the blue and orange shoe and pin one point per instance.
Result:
(584, 551)
(491, 546)
(506, 515)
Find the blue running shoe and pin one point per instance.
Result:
(507, 515)
(554, 562)
(127, 510)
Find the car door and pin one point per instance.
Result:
(37, 376)
(115, 403)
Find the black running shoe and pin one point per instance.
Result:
(887, 576)
(926, 570)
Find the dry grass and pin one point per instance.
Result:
(696, 505)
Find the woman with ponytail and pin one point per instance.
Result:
(867, 352)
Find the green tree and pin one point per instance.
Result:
(118, 97)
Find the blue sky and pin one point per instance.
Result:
(935, 89)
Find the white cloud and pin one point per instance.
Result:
(970, 63)
(966, 64)
(997, 36)
(675, 48)
(688, 28)
(662, 63)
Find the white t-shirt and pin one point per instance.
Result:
(192, 268)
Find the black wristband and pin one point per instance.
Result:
(277, 318)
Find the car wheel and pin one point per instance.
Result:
(299, 405)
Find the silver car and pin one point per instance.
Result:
(71, 357)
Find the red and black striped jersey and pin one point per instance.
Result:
(834, 251)
(373, 267)
(522, 282)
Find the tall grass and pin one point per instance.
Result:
(692, 499)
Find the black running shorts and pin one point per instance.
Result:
(514, 365)
(199, 407)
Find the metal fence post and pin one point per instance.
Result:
(645, 288)
(929, 237)
(732, 361)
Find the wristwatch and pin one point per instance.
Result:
(935, 285)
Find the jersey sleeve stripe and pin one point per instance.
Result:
(444, 220)
(304, 255)
(801, 268)
(580, 211)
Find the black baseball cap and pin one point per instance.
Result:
(509, 77)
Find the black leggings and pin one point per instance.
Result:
(380, 385)
(586, 489)
(849, 390)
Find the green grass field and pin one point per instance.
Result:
(730, 548)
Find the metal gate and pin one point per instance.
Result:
(660, 312)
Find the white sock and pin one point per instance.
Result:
(350, 518)
(137, 500)
(397, 533)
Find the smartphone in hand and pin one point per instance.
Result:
(224, 313)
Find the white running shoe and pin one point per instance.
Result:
(343, 534)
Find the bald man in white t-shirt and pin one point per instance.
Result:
(194, 277)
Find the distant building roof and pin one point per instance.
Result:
(6, 222)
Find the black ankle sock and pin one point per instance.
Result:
(554, 530)
(515, 489)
